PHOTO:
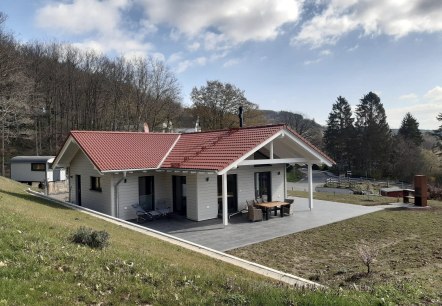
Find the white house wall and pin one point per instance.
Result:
(202, 192)
(192, 197)
(128, 192)
(99, 201)
(246, 182)
(207, 193)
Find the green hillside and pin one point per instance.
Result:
(39, 266)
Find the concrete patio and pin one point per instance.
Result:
(240, 232)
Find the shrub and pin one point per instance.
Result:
(92, 238)
(434, 192)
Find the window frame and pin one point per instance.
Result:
(96, 184)
(35, 167)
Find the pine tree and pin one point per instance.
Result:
(373, 136)
(339, 134)
(438, 134)
(409, 130)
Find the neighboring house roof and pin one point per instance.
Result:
(215, 150)
(212, 150)
(125, 150)
(31, 159)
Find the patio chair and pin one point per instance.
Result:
(253, 213)
(288, 209)
(141, 213)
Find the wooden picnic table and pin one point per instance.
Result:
(275, 205)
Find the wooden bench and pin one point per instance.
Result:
(408, 194)
(407, 199)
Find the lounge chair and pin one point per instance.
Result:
(253, 213)
(141, 213)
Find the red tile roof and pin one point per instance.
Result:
(125, 150)
(216, 150)
(213, 150)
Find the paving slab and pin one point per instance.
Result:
(240, 232)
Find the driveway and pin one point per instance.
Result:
(318, 177)
(240, 232)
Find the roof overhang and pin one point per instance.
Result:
(308, 155)
(68, 152)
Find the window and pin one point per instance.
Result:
(38, 167)
(95, 183)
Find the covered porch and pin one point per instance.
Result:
(282, 149)
(241, 232)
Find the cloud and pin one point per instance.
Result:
(354, 48)
(236, 20)
(389, 17)
(81, 16)
(425, 114)
(425, 111)
(434, 94)
(193, 46)
(409, 97)
(321, 56)
(186, 64)
(99, 25)
(231, 62)
(325, 52)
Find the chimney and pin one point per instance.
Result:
(146, 127)
(197, 125)
(241, 117)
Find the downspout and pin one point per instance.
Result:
(117, 204)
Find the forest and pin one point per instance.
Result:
(49, 89)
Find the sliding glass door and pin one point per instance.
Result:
(146, 192)
(263, 186)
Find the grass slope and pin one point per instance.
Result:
(39, 266)
(408, 269)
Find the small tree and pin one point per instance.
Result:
(217, 104)
(367, 253)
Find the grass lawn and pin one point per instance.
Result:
(408, 243)
(39, 266)
(366, 200)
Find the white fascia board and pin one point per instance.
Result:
(309, 149)
(128, 170)
(63, 150)
(251, 162)
(236, 163)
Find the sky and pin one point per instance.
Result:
(290, 55)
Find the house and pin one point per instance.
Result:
(199, 175)
(37, 170)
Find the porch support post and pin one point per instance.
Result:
(224, 198)
(310, 186)
(271, 150)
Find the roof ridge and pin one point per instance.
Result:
(240, 128)
(123, 132)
